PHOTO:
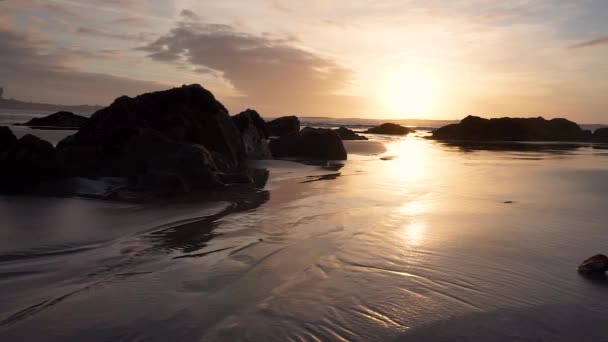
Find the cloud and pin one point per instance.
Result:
(90, 31)
(28, 74)
(589, 43)
(263, 69)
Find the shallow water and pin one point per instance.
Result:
(407, 240)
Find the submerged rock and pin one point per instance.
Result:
(60, 120)
(512, 129)
(309, 143)
(595, 264)
(254, 134)
(283, 126)
(390, 129)
(349, 134)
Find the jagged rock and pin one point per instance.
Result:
(59, 119)
(309, 143)
(512, 129)
(283, 126)
(390, 129)
(349, 134)
(254, 134)
(189, 114)
(600, 135)
(7, 139)
(28, 162)
(595, 264)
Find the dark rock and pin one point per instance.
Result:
(254, 134)
(309, 143)
(600, 135)
(391, 129)
(29, 162)
(59, 119)
(157, 162)
(7, 140)
(349, 134)
(283, 126)
(595, 264)
(512, 129)
(189, 114)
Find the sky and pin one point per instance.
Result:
(384, 59)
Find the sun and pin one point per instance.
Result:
(411, 92)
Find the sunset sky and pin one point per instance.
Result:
(372, 59)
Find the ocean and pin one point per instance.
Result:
(408, 240)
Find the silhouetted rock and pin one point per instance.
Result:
(283, 126)
(349, 134)
(189, 115)
(390, 129)
(28, 162)
(162, 166)
(600, 135)
(7, 139)
(512, 129)
(595, 264)
(254, 134)
(309, 143)
(59, 119)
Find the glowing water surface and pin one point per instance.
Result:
(411, 240)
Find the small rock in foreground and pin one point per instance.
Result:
(595, 264)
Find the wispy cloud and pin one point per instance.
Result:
(589, 43)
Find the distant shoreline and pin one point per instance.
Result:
(12, 104)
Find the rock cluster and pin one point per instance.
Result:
(166, 142)
(512, 129)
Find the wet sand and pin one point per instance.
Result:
(412, 243)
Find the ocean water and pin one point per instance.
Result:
(408, 240)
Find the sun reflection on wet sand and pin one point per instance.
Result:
(414, 233)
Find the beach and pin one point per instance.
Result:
(409, 239)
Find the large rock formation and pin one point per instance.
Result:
(512, 129)
(254, 134)
(188, 115)
(283, 126)
(29, 161)
(309, 143)
(390, 129)
(600, 135)
(164, 143)
(60, 120)
(349, 134)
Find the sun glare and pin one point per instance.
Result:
(411, 92)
